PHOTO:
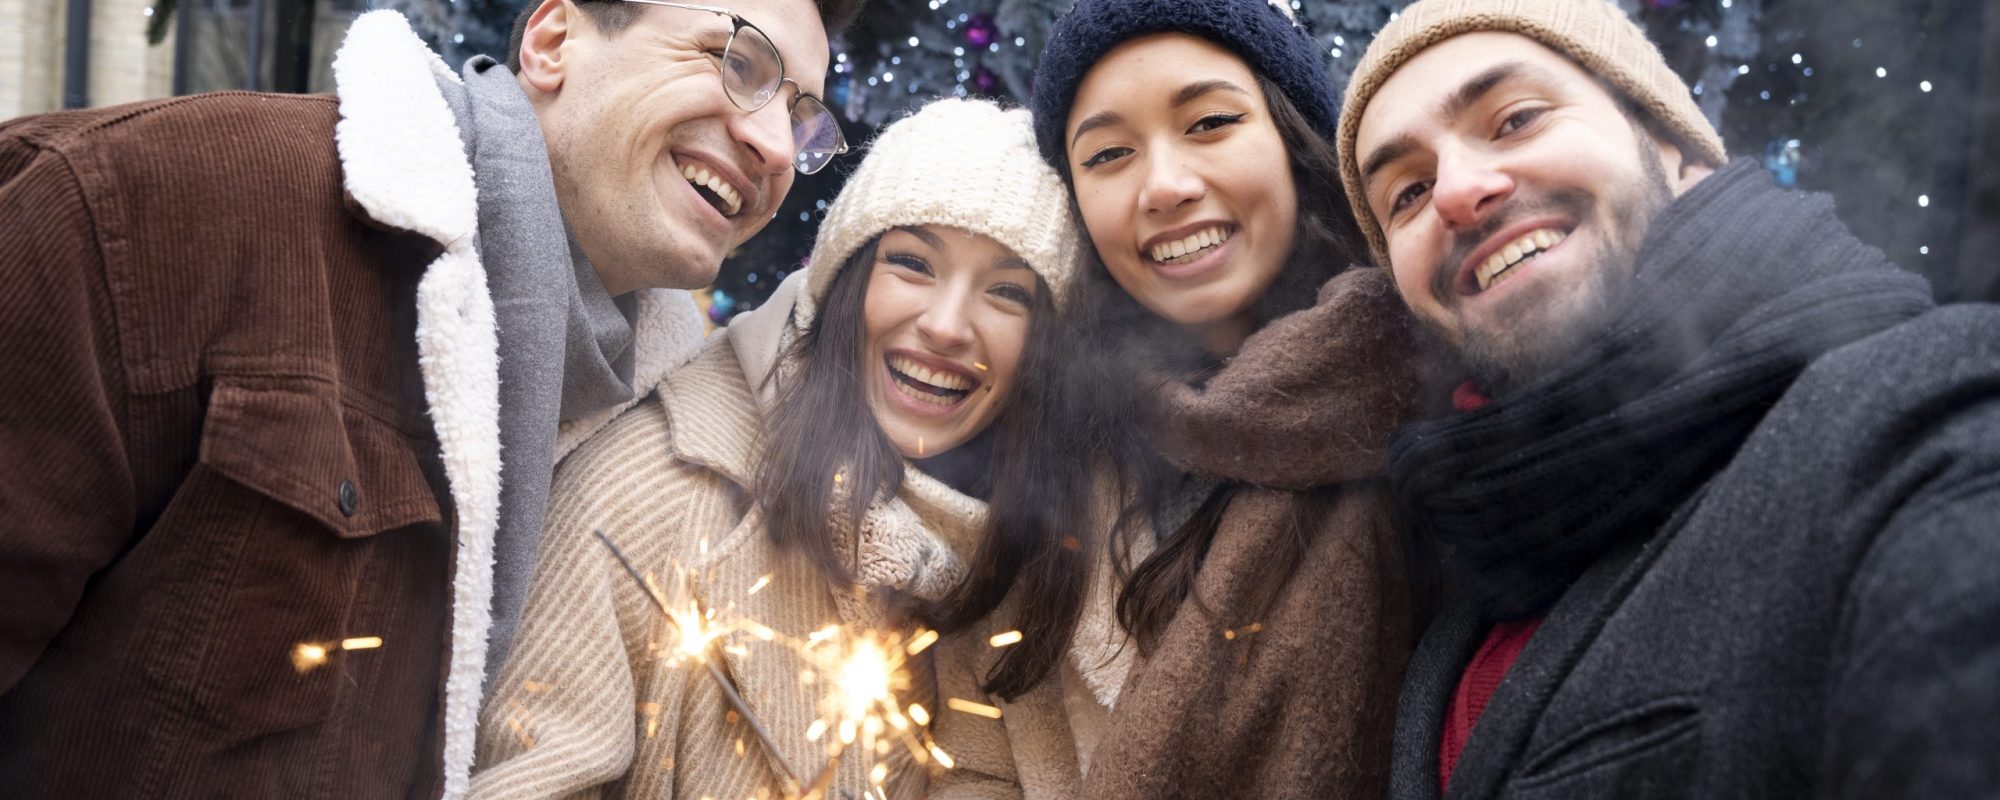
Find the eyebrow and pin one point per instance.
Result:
(927, 237)
(1187, 94)
(1010, 262)
(1101, 119)
(1458, 102)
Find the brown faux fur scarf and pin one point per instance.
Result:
(1310, 399)
(1297, 699)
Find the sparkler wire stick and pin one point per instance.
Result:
(722, 680)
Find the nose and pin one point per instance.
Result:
(767, 135)
(1468, 189)
(1169, 184)
(946, 326)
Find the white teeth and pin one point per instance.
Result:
(1495, 267)
(700, 176)
(1196, 242)
(941, 379)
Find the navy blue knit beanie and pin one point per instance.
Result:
(1256, 31)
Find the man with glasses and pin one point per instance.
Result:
(291, 375)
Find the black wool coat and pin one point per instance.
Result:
(1820, 619)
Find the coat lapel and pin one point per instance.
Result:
(1432, 678)
(1500, 739)
(714, 423)
(404, 164)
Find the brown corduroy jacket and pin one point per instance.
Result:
(253, 404)
(1295, 701)
(215, 449)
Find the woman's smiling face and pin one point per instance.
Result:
(1183, 179)
(944, 324)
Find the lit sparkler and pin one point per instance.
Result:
(865, 672)
(862, 671)
(308, 656)
(696, 631)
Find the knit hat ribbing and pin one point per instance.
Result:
(1593, 33)
(1258, 32)
(967, 164)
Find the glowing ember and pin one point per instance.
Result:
(970, 707)
(978, 366)
(1004, 639)
(918, 714)
(943, 760)
(759, 585)
(651, 711)
(864, 672)
(307, 656)
(361, 643)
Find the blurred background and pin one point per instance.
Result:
(1893, 106)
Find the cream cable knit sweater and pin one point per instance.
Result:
(585, 706)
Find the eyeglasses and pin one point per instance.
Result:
(752, 73)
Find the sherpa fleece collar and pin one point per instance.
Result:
(404, 165)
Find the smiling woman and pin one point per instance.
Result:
(829, 458)
(1248, 613)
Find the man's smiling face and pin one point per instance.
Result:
(1513, 190)
(658, 173)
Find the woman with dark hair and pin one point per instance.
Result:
(826, 459)
(1244, 621)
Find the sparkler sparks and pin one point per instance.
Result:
(861, 673)
(1004, 639)
(969, 707)
(308, 656)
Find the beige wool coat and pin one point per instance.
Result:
(1297, 701)
(586, 704)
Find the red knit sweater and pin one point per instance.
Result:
(1481, 679)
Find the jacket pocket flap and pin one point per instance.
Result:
(1646, 734)
(291, 440)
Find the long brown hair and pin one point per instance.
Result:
(820, 426)
(1125, 339)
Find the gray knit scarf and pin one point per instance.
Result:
(566, 345)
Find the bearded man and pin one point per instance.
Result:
(1721, 506)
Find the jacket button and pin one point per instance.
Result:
(349, 498)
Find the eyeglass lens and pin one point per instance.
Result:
(751, 73)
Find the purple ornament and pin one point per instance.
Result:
(980, 30)
(985, 80)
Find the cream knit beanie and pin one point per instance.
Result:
(966, 164)
(1594, 33)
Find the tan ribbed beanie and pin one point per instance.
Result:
(1594, 33)
(963, 163)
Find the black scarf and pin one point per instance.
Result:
(1738, 287)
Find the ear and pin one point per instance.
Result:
(542, 55)
(1675, 163)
